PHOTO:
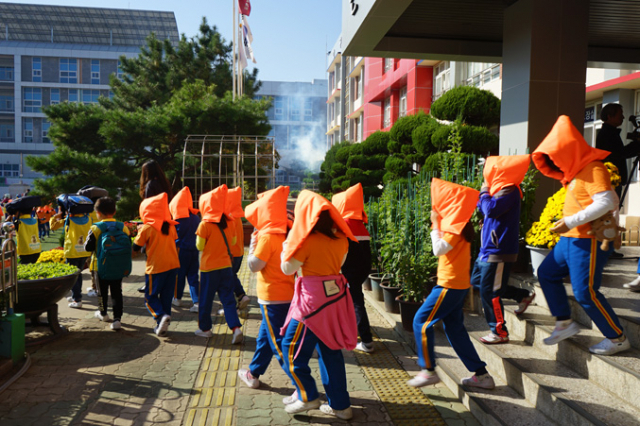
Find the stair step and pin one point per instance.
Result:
(552, 387)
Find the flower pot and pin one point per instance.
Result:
(408, 310)
(39, 295)
(376, 279)
(538, 254)
(390, 294)
(366, 285)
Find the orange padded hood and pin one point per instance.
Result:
(155, 210)
(350, 203)
(454, 203)
(566, 147)
(269, 213)
(212, 204)
(308, 208)
(505, 170)
(182, 204)
(234, 203)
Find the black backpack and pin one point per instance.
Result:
(75, 204)
(23, 204)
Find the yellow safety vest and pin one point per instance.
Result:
(28, 241)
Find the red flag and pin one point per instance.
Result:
(245, 7)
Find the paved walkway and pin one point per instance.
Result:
(95, 376)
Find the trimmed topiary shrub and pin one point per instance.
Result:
(440, 138)
(474, 106)
(422, 134)
(478, 140)
(376, 143)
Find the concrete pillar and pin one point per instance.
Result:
(544, 70)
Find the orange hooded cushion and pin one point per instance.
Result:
(182, 204)
(212, 204)
(566, 147)
(350, 203)
(308, 208)
(505, 170)
(269, 213)
(234, 203)
(454, 203)
(155, 210)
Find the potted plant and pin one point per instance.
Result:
(417, 282)
(540, 239)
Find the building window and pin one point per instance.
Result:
(95, 71)
(68, 70)
(6, 73)
(119, 73)
(54, 97)
(403, 102)
(387, 113)
(9, 170)
(356, 88)
(32, 99)
(36, 69)
(7, 133)
(27, 129)
(6, 103)
(296, 107)
(279, 107)
(441, 74)
(73, 95)
(45, 131)
(388, 64)
(308, 110)
(90, 96)
(480, 73)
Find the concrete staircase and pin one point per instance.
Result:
(562, 384)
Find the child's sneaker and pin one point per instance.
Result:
(345, 414)
(291, 398)
(365, 347)
(91, 292)
(300, 406)
(237, 336)
(633, 285)
(243, 303)
(494, 339)
(485, 381)
(524, 303)
(194, 308)
(201, 333)
(610, 346)
(103, 318)
(561, 332)
(176, 302)
(424, 379)
(115, 325)
(70, 299)
(246, 376)
(164, 325)
(76, 305)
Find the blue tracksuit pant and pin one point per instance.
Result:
(269, 341)
(493, 281)
(444, 304)
(238, 290)
(76, 290)
(298, 337)
(219, 281)
(159, 291)
(189, 270)
(583, 260)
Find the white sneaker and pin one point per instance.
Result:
(194, 308)
(561, 333)
(176, 302)
(365, 347)
(201, 333)
(116, 325)
(485, 381)
(633, 285)
(76, 305)
(291, 398)
(237, 336)
(221, 311)
(243, 303)
(609, 347)
(345, 414)
(424, 379)
(300, 406)
(524, 303)
(246, 376)
(70, 299)
(164, 325)
(91, 292)
(103, 318)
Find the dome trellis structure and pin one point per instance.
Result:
(247, 161)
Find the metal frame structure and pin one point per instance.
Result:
(210, 161)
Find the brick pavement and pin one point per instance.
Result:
(95, 376)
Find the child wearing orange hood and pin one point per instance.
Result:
(564, 155)
(235, 212)
(158, 235)
(452, 206)
(214, 239)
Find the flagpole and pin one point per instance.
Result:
(234, 30)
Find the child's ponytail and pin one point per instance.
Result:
(165, 228)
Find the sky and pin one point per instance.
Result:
(291, 37)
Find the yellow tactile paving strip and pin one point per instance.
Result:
(406, 405)
(213, 396)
